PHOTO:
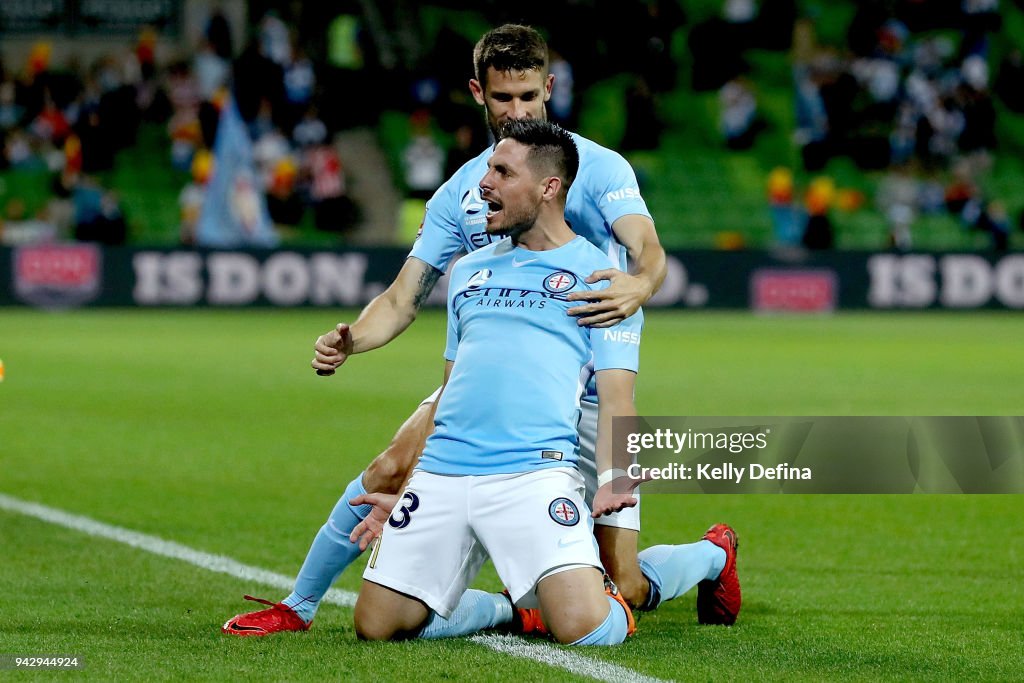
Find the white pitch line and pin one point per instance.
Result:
(158, 546)
(563, 659)
(510, 645)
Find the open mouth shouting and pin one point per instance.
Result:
(493, 209)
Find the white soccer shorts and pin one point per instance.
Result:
(627, 518)
(531, 524)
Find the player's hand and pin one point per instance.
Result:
(369, 530)
(606, 501)
(332, 349)
(610, 306)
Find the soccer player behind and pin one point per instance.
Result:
(604, 206)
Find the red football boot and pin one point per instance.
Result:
(718, 601)
(278, 618)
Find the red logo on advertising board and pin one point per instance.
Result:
(57, 275)
(794, 290)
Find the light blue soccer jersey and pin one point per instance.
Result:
(521, 364)
(605, 189)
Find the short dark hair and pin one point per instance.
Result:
(510, 47)
(552, 149)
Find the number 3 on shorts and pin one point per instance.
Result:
(402, 514)
(400, 518)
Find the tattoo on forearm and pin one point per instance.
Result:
(426, 285)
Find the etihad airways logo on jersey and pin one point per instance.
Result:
(622, 337)
(500, 297)
(557, 285)
(624, 193)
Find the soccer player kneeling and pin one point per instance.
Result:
(498, 476)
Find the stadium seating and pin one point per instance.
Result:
(700, 192)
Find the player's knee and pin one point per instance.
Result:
(577, 619)
(382, 628)
(372, 631)
(386, 473)
(374, 625)
(573, 632)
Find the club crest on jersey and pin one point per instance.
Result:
(564, 511)
(471, 201)
(559, 282)
(478, 278)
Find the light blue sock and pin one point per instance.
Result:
(330, 553)
(612, 630)
(476, 611)
(675, 569)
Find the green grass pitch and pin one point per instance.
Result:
(210, 430)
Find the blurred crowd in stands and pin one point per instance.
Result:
(911, 97)
(908, 98)
(274, 85)
(71, 123)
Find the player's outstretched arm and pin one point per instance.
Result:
(615, 399)
(627, 291)
(382, 320)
